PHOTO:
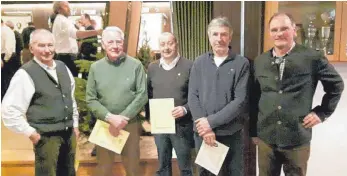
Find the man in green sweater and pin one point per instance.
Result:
(116, 93)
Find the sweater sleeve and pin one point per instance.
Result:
(141, 97)
(91, 97)
(193, 93)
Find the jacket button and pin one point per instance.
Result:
(63, 96)
(66, 128)
(66, 107)
(279, 107)
(279, 122)
(280, 92)
(65, 118)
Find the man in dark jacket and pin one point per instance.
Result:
(282, 117)
(218, 97)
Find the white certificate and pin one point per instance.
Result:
(102, 137)
(162, 120)
(212, 158)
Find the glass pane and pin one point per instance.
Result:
(315, 23)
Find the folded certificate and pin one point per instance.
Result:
(162, 120)
(212, 158)
(102, 137)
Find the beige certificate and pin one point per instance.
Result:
(162, 120)
(102, 137)
(212, 158)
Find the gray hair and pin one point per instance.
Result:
(39, 32)
(112, 29)
(220, 22)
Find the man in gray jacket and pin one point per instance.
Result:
(217, 97)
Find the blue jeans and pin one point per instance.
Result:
(233, 164)
(182, 142)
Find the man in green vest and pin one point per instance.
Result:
(42, 91)
(116, 93)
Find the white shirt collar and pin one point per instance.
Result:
(274, 54)
(170, 66)
(46, 67)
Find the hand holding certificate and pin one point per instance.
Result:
(162, 120)
(212, 157)
(102, 137)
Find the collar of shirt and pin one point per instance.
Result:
(169, 66)
(274, 52)
(44, 66)
(117, 61)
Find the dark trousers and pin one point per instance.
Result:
(7, 72)
(271, 159)
(233, 164)
(69, 59)
(55, 154)
(182, 142)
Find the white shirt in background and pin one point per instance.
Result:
(8, 42)
(65, 37)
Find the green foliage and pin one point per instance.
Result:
(144, 55)
(86, 122)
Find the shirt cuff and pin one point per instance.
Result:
(29, 131)
(185, 110)
(108, 116)
(75, 124)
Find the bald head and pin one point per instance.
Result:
(10, 24)
(166, 35)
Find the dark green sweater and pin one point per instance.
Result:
(116, 87)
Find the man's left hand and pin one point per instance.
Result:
(178, 112)
(77, 132)
(311, 120)
(203, 126)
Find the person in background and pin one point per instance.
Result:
(26, 54)
(19, 47)
(284, 83)
(8, 54)
(65, 35)
(40, 104)
(88, 50)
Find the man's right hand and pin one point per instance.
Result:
(117, 121)
(210, 138)
(35, 138)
